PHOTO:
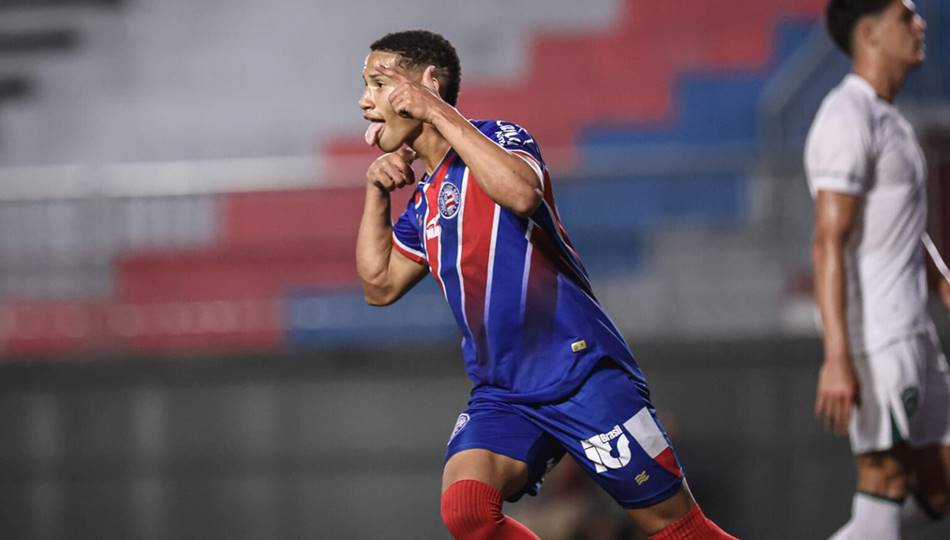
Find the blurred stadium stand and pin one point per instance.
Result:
(184, 181)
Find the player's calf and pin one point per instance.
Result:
(883, 475)
(931, 480)
(471, 510)
(926, 504)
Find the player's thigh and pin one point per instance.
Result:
(507, 475)
(892, 382)
(610, 428)
(493, 443)
(931, 423)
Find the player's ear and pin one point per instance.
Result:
(864, 34)
(430, 80)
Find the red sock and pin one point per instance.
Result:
(693, 526)
(471, 510)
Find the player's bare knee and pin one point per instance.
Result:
(883, 474)
(505, 474)
(661, 515)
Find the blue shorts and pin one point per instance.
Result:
(608, 425)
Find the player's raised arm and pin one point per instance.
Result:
(505, 177)
(838, 392)
(384, 273)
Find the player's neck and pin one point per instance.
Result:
(886, 78)
(430, 147)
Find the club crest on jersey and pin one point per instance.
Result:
(449, 200)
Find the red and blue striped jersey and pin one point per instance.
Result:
(531, 326)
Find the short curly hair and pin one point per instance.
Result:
(424, 48)
(842, 16)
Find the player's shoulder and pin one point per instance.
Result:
(493, 126)
(509, 135)
(847, 111)
(852, 100)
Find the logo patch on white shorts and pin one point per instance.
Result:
(911, 400)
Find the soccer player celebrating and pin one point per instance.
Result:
(884, 380)
(551, 372)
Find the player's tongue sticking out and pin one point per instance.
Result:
(372, 133)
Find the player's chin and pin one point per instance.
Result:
(915, 63)
(390, 141)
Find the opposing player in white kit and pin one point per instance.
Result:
(884, 380)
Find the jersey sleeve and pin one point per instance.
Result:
(838, 150)
(407, 233)
(516, 140)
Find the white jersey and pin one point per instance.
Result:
(860, 144)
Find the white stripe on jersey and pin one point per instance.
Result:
(458, 254)
(425, 220)
(496, 213)
(527, 268)
(532, 162)
(438, 275)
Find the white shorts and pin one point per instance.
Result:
(905, 395)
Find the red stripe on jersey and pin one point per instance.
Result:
(549, 198)
(430, 231)
(475, 241)
(408, 254)
(541, 295)
(548, 247)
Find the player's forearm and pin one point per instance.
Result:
(374, 245)
(504, 177)
(828, 254)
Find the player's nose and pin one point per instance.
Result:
(365, 102)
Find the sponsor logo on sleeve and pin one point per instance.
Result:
(508, 134)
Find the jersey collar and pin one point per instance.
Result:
(442, 161)
(865, 87)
